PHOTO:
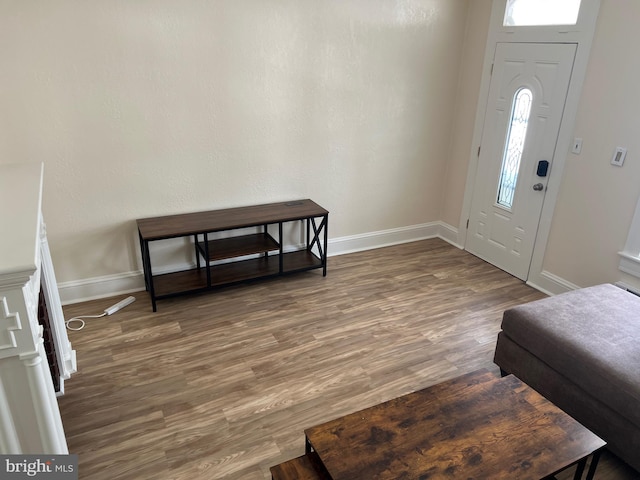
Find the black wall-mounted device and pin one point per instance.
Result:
(543, 167)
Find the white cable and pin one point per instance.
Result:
(80, 319)
(108, 311)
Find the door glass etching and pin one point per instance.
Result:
(521, 13)
(514, 146)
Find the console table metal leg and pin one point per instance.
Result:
(281, 253)
(144, 262)
(265, 231)
(326, 252)
(207, 258)
(148, 274)
(321, 245)
(195, 243)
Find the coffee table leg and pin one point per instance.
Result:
(595, 457)
(594, 464)
(307, 445)
(580, 469)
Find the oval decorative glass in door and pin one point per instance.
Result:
(514, 146)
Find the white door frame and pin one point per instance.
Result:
(580, 34)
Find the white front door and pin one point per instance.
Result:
(524, 111)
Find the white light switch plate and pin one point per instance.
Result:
(577, 146)
(619, 156)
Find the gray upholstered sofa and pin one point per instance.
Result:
(581, 350)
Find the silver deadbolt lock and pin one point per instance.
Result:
(538, 186)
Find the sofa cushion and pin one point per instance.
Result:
(591, 336)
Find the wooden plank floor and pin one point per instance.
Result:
(222, 385)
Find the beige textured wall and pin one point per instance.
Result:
(466, 103)
(597, 200)
(150, 107)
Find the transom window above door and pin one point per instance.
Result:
(521, 13)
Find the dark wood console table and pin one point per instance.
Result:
(265, 246)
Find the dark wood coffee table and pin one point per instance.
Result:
(477, 426)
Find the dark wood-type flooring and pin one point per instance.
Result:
(222, 385)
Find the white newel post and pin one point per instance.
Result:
(30, 419)
(65, 354)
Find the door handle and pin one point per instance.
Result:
(538, 186)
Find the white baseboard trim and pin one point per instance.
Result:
(629, 264)
(551, 284)
(384, 238)
(129, 282)
(450, 234)
(100, 287)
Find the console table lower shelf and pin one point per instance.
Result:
(237, 257)
(186, 281)
(475, 426)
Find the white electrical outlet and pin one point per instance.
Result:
(619, 156)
